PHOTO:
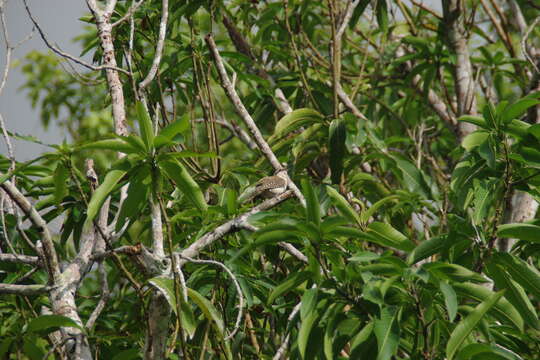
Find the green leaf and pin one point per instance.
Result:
(128, 354)
(489, 352)
(412, 177)
(31, 349)
(295, 120)
(176, 171)
(166, 287)
(390, 236)
(476, 120)
(467, 325)
(111, 179)
(455, 272)
(171, 131)
(534, 130)
(366, 215)
(309, 301)
(5, 345)
(145, 125)
(313, 208)
(502, 308)
(208, 310)
(382, 15)
(291, 283)
(362, 336)
(342, 204)
(520, 271)
(450, 299)
(134, 141)
(110, 144)
(521, 231)
(474, 139)
(517, 109)
(50, 323)
(514, 293)
(304, 332)
(387, 332)
(484, 193)
(337, 133)
(60, 177)
(136, 197)
(427, 248)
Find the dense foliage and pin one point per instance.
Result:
(409, 243)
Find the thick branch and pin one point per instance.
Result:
(230, 226)
(113, 79)
(23, 259)
(246, 117)
(159, 48)
(23, 289)
(454, 17)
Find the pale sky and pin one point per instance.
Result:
(59, 19)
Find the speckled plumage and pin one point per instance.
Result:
(267, 187)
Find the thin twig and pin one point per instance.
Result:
(105, 294)
(285, 342)
(66, 55)
(524, 47)
(236, 284)
(131, 11)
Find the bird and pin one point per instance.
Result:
(267, 187)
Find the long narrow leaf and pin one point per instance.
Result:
(145, 125)
(467, 325)
(176, 171)
(387, 332)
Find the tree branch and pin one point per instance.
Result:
(230, 226)
(246, 117)
(159, 47)
(50, 257)
(23, 259)
(24, 289)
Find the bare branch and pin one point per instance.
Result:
(246, 117)
(454, 17)
(351, 5)
(23, 259)
(236, 284)
(285, 342)
(159, 47)
(293, 251)
(23, 289)
(105, 294)
(524, 46)
(233, 225)
(236, 130)
(348, 103)
(51, 259)
(109, 59)
(157, 228)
